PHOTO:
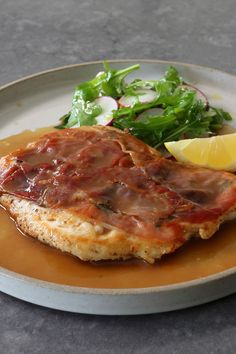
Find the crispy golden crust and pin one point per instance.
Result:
(91, 241)
(85, 240)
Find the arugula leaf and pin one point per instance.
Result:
(115, 84)
(83, 113)
(64, 120)
(183, 115)
(172, 75)
(110, 82)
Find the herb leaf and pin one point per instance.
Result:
(110, 82)
(183, 114)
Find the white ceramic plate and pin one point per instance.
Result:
(38, 101)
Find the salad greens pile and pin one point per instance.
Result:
(182, 115)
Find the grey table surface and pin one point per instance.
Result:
(37, 35)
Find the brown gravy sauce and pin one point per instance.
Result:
(27, 256)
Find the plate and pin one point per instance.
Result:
(37, 101)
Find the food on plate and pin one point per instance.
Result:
(155, 111)
(141, 96)
(217, 152)
(108, 105)
(100, 193)
(199, 94)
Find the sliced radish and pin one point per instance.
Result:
(200, 95)
(108, 104)
(143, 96)
(150, 112)
(100, 73)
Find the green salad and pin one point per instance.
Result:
(154, 111)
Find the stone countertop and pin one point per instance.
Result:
(38, 35)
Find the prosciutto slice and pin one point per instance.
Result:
(103, 174)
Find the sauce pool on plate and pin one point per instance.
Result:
(28, 256)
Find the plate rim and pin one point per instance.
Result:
(116, 291)
(157, 61)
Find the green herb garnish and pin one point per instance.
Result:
(183, 114)
(110, 82)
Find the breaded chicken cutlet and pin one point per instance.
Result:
(100, 193)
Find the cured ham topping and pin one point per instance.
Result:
(109, 176)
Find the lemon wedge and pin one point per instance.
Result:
(218, 152)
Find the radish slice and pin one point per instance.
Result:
(200, 95)
(108, 104)
(100, 73)
(150, 112)
(144, 96)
